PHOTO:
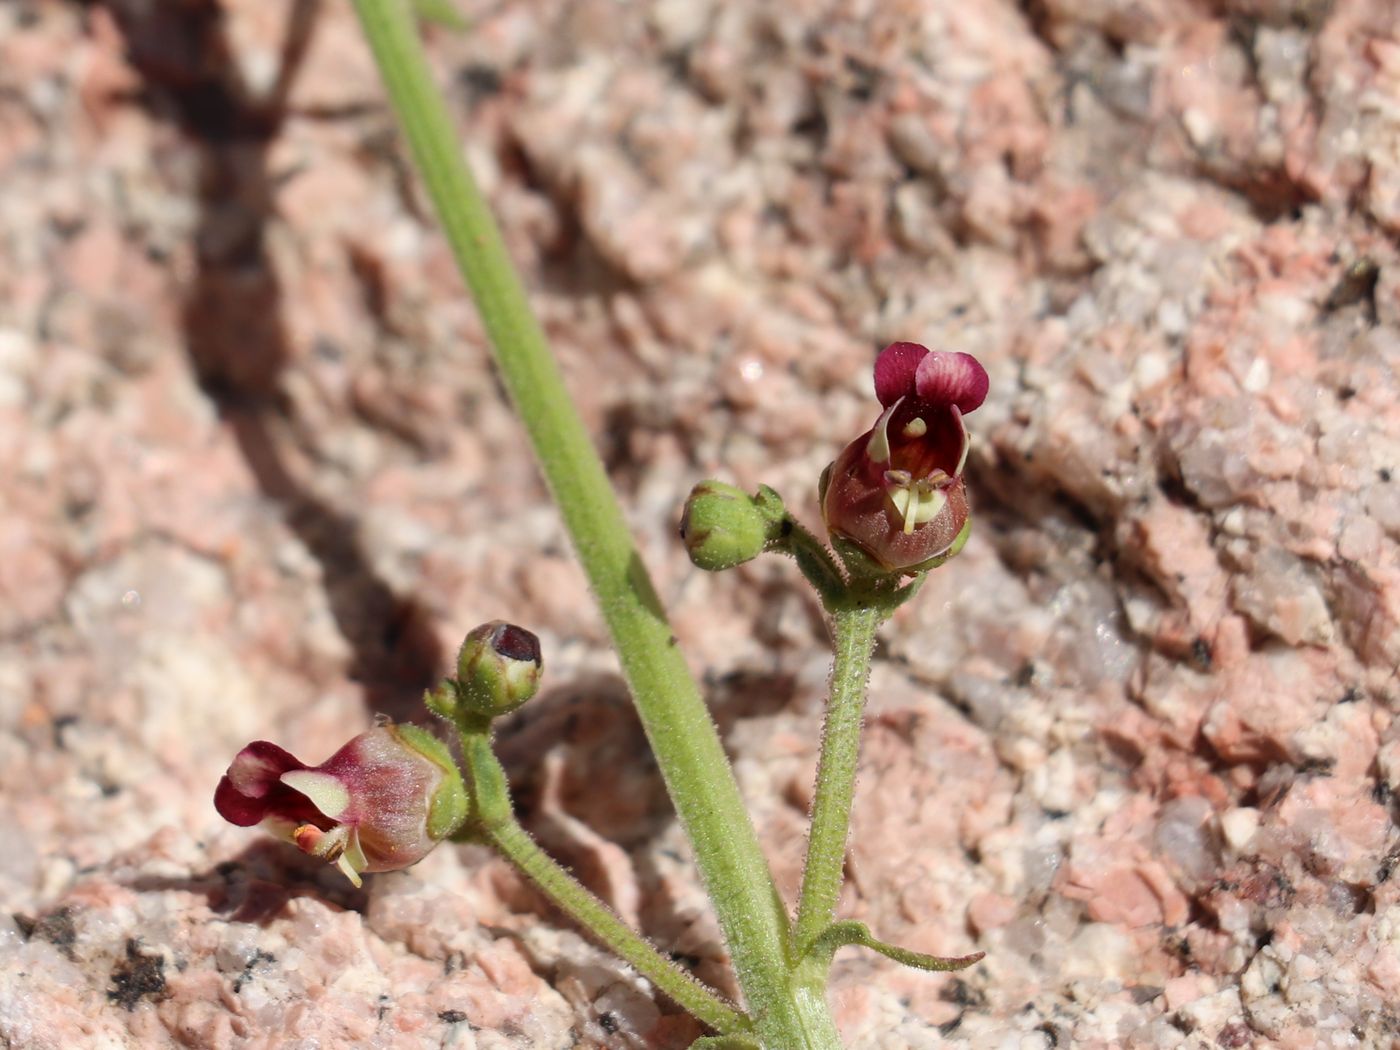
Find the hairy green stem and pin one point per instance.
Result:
(516, 845)
(815, 561)
(682, 735)
(836, 770)
(492, 821)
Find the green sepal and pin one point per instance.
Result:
(442, 701)
(906, 592)
(768, 503)
(725, 1042)
(840, 934)
(449, 805)
(861, 567)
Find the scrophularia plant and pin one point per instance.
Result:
(895, 507)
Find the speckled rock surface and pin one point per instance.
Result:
(1138, 743)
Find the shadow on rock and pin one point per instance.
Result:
(257, 884)
(235, 337)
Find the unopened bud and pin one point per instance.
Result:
(498, 669)
(723, 526)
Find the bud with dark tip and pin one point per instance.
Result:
(498, 669)
(723, 526)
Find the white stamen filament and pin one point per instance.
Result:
(328, 845)
(918, 503)
(353, 860)
(900, 498)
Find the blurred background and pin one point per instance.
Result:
(257, 479)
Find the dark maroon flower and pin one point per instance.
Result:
(380, 803)
(896, 492)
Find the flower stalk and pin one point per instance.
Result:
(493, 822)
(515, 844)
(822, 877)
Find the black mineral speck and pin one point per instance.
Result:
(136, 977)
(259, 957)
(608, 1023)
(56, 927)
(452, 1016)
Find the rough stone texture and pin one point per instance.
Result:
(1138, 743)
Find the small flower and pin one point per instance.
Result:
(896, 492)
(380, 803)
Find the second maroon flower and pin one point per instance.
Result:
(896, 492)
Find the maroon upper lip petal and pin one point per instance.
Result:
(252, 789)
(236, 807)
(951, 379)
(895, 370)
(258, 767)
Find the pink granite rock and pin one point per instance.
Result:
(1138, 742)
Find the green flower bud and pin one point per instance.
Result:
(498, 669)
(723, 526)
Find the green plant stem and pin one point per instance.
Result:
(492, 820)
(836, 770)
(682, 735)
(815, 561)
(515, 843)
